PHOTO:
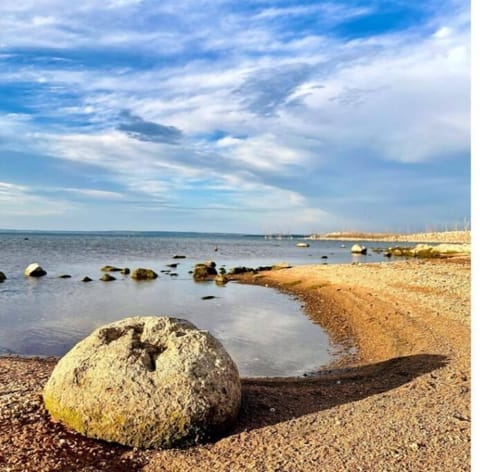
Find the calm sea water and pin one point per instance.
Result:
(265, 332)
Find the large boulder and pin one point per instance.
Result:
(35, 270)
(146, 382)
(143, 274)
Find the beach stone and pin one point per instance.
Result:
(35, 270)
(86, 279)
(146, 382)
(221, 279)
(65, 276)
(2, 277)
(205, 270)
(125, 271)
(107, 278)
(143, 274)
(179, 256)
(358, 249)
(109, 268)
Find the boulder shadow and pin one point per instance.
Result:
(273, 400)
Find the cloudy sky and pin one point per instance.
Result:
(221, 115)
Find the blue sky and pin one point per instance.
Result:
(252, 116)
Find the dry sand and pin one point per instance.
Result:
(401, 402)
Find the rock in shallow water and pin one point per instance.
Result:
(35, 270)
(144, 274)
(146, 382)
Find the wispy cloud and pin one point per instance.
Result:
(259, 105)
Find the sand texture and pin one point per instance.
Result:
(399, 400)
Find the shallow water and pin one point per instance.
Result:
(265, 332)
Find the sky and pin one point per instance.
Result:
(218, 115)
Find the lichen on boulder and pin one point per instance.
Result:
(146, 382)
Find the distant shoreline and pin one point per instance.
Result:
(437, 237)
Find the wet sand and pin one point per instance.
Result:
(399, 402)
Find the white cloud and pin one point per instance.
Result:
(21, 201)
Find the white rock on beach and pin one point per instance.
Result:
(357, 249)
(35, 270)
(146, 382)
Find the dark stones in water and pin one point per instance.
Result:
(64, 276)
(2, 277)
(179, 256)
(208, 297)
(173, 266)
(86, 279)
(125, 271)
(240, 270)
(173, 274)
(324, 257)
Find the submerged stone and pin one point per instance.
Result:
(146, 382)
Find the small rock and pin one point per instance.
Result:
(208, 297)
(221, 279)
(107, 278)
(86, 279)
(358, 249)
(144, 274)
(109, 268)
(35, 270)
(204, 271)
(125, 271)
(2, 277)
(173, 266)
(179, 256)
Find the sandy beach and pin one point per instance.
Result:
(398, 401)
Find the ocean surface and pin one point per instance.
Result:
(265, 332)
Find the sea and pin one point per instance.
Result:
(266, 332)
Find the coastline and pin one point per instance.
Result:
(402, 402)
(452, 237)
